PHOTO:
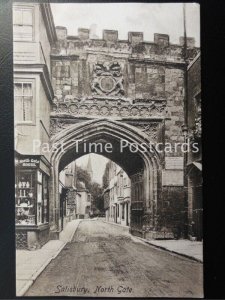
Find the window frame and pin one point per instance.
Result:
(198, 101)
(19, 173)
(31, 81)
(25, 8)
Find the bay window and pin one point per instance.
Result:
(23, 24)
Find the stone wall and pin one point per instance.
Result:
(148, 69)
(133, 81)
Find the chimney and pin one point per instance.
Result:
(83, 33)
(190, 42)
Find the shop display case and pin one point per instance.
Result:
(25, 198)
(31, 201)
(31, 195)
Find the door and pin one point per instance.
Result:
(127, 214)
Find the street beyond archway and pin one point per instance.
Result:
(104, 260)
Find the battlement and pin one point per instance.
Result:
(111, 36)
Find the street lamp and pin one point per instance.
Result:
(184, 129)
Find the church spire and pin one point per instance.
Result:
(89, 167)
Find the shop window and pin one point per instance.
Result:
(22, 24)
(31, 197)
(23, 94)
(25, 198)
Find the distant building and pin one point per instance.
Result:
(83, 202)
(117, 198)
(68, 194)
(106, 198)
(75, 199)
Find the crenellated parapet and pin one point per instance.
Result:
(134, 46)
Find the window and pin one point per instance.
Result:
(32, 197)
(197, 100)
(121, 185)
(25, 198)
(45, 199)
(122, 211)
(39, 197)
(22, 24)
(23, 93)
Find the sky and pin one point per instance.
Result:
(149, 18)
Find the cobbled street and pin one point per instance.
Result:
(105, 261)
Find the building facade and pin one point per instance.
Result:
(117, 196)
(34, 35)
(68, 194)
(83, 203)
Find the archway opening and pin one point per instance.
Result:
(119, 144)
(93, 186)
(131, 162)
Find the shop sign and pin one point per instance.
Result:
(172, 178)
(71, 198)
(174, 163)
(27, 162)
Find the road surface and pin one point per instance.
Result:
(104, 261)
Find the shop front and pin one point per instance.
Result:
(31, 201)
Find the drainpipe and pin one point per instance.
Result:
(185, 127)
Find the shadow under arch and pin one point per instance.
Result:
(143, 167)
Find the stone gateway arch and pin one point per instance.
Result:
(108, 90)
(142, 167)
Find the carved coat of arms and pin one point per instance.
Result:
(107, 79)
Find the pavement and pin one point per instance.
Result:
(103, 260)
(183, 247)
(30, 264)
(187, 248)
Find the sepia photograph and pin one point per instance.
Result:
(108, 154)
